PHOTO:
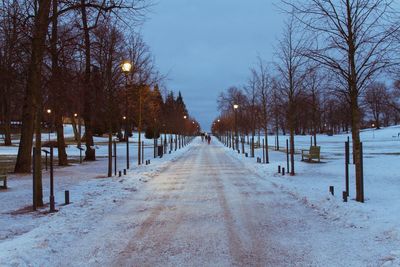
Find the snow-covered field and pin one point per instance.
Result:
(209, 206)
(379, 215)
(100, 145)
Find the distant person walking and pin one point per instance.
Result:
(209, 139)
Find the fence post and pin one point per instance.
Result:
(115, 158)
(362, 173)
(34, 204)
(347, 162)
(52, 204)
(287, 154)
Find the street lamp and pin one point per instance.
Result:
(126, 68)
(235, 108)
(79, 129)
(373, 130)
(49, 113)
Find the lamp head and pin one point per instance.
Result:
(126, 67)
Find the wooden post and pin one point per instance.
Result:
(115, 158)
(362, 173)
(66, 193)
(332, 190)
(142, 152)
(52, 204)
(287, 154)
(347, 162)
(34, 203)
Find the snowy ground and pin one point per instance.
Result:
(208, 206)
(100, 144)
(379, 215)
(92, 195)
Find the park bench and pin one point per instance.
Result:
(313, 153)
(3, 178)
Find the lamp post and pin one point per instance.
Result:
(124, 118)
(49, 114)
(79, 129)
(140, 127)
(235, 108)
(126, 67)
(373, 130)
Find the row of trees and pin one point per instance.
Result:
(65, 56)
(331, 71)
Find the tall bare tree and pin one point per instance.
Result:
(355, 41)
(291, 68)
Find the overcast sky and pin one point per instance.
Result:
(206, 46)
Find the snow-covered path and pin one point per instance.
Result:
(208, 209)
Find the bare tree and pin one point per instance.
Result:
(263, 87)
(354, 40)
(291, 68)
(377, 99)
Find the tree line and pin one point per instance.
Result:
(64, 56)
(335, 69)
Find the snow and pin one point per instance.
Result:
(379, 215)
(207, 205)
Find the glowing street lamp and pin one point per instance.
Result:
(235, 108)
(49, 113)
(373, 130)
(126, 68)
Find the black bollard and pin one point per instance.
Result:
(279, 169)
(287, 154)
(332, 190)
(283, 171)
(52, 202)
(361, 184)
(66, 193)
(346, 165)
(119, 174)
(344, 196)
(124, 171)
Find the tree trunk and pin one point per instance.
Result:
(291, 121)
(355, 114)
(56, 90)
(62, 154)
(90, 154)
(32, 100)
(75, 129)
(6, 118)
